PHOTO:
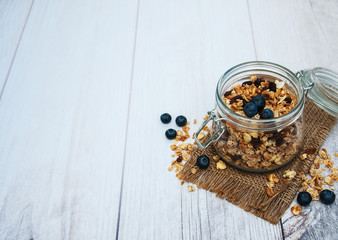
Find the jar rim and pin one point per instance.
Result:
(293, 114)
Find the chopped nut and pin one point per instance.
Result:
(221, 165)
(254, 134)
(329, 180)
(272, 178)
(246, 137)
(296, 210)
(336, 154)
(201, 135)
(195, 121)
(279, 84)
(303, 156)
(270, 192)
(185, 156)
(170, 168)
(322, 154)
(253, 78)
(193, 170)
(182, 183)
(290, 174)
(270, 184)
(191, 188)
(216, 157)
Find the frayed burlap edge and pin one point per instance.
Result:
(248, 190)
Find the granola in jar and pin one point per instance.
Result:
(259, 149)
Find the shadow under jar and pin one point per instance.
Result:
(254, 144)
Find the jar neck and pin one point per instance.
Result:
(242, 72)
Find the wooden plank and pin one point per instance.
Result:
(13, 17)
(288, 33)
(326, 15)
(297, 34)
(182, 49)
(63, 121)
(317, 221)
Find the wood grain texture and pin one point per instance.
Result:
(182, 49)
(303, 40)
(65, 111)
(13, 17)
(63, 121)
(317, 221)
(326, 15)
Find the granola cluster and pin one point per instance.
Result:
(273, 180)
(182, 150)
(259, 150)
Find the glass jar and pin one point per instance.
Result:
(261, 145)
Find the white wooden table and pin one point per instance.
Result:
(83, 83)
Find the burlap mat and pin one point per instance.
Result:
(248, 190)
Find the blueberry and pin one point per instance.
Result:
(266, 114)
(202, 161)
(250, 109)
(181, 121)
(272, 86)
(259, 101)
(170, 134)
(327, 197)
(165, 118)
(304, 198)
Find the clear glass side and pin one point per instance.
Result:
(254, 144)
(259, 150)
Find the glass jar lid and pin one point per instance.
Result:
(321, 85)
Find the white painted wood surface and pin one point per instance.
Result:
(79, 116)
(63, 121)
(13, 17)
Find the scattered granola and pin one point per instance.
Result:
(290, 174)
(191, 188)
(273, 178)
(296, 210)
(270, 192)
(201, 135)
(221, 165)
(322, 175)
(193, 170)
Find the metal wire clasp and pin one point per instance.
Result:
(212, 116)
(300, 76)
